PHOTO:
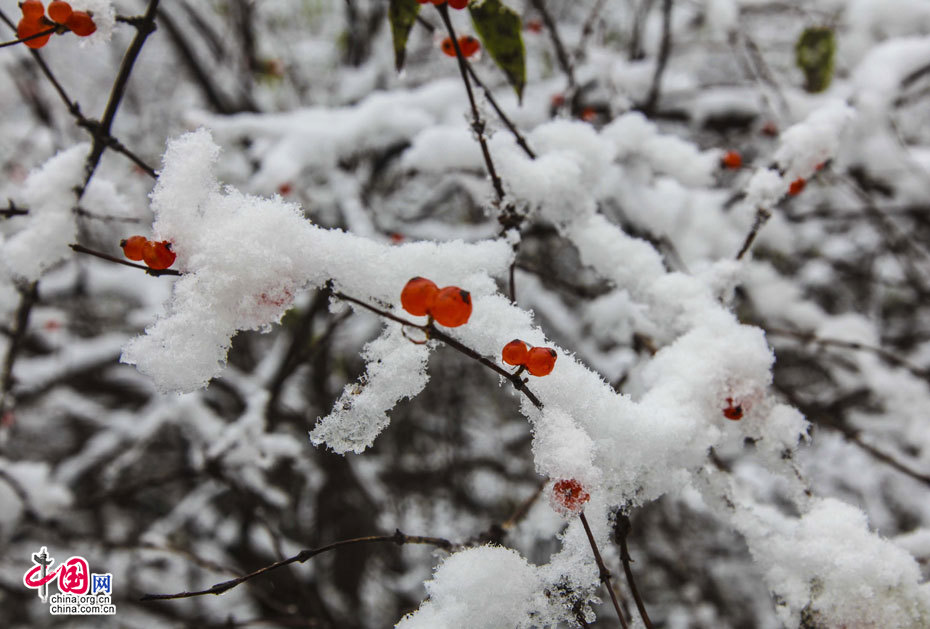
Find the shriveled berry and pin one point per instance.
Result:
(28, 27)
(732, 160)
(418, 296)
(569, 495)
(33, 9)
(515, 352)
(59, 11)
(158, 255)
(733, 411)
(81, 24)
(469, 45)
(452, 307)
(458, 4)
(133, 247)
(540, 361)
(797, 186)
(448, 47)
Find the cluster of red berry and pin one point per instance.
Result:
(455, 4)
(467, 44)
(449, 306)
(156, 255)
(539, 361)
(569, 495)
(61, 19)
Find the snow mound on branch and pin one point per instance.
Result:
(481, 588)
(229, 286)
(839, 572)
(42, 236)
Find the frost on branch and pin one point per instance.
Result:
(41, 238)
(396, 370)
(829, 567)
(482, 588)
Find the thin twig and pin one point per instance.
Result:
(560, 53)
(622, 529)
(665, 49)
(477, 124)
(28, 295)
(156, 272)
(11, 210)
(500, 113)
(762, 217)
(397, 538)
(604, 573)
(101, 131)
(50, 31)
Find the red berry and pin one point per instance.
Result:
(569, 495)
(447, 47)
(81, 24)
(769, 129)
(469, 45)
(458, 4)
(133, 247)
(588, 114)
(452, 307)
(732, 160)
(285, 189)
(32, 9)
(797, 186)
(540, 361)
(158, 255)
(28, 27)
(59, 11)
(732, 412)
(515, 352)
(418, 296)
(534, 26)
(558, 100)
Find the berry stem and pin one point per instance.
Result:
(623, 529)
(31, 37)
(477, 124)
(605, 575)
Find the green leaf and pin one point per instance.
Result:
(499, 28)
(814, 54)
(402, 15)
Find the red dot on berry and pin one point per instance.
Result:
(540, 361)
(515, 352)
(452, 307)
(418, 296)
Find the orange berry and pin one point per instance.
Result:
(732, 412)
(32, 9)
(540, 361)
(732, 160)
(797, 186)
(133, 247)
(589, 114)
(458, 4)
(158, 255)
(452, 307)
(514, 352)
(469, 45)
(447, 47)
(81, 24)
(59, 11)
(28, 27)
(569, 495)
(418, 296)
